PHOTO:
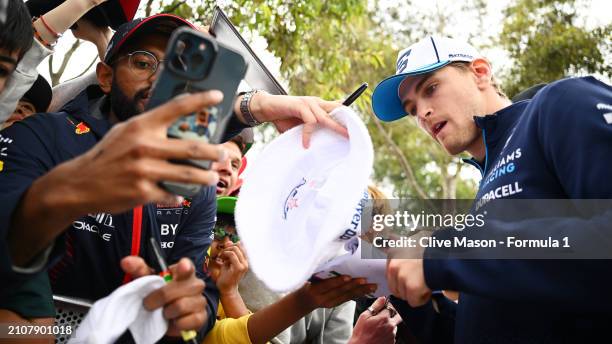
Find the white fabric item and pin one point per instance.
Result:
(298, 207)
(349, 262)
(123, 309)
(22, 78)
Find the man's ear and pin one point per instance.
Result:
(104, 73)
(482, 72)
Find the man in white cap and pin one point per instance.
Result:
(553, 146)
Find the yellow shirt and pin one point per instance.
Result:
(229, 330)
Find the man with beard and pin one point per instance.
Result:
(80, 188)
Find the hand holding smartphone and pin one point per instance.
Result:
(194, 62)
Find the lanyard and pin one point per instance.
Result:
(136, 235)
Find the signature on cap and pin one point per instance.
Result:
(291, 201)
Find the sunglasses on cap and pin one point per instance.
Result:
(220, 233)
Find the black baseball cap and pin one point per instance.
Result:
(164, 23)
(39, 94)
(112, 13)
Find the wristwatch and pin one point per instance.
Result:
(245, 109)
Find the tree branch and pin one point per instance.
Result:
(459, 167)
(402, 158)
(148, 8)
(86, 69)
(50, 62)
(173, 8)
(55, 76)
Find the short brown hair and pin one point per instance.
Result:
(239, 141)
(465, 66)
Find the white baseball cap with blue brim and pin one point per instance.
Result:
(425, 56)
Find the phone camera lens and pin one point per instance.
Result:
(180, 47)
(179, 63)
(197, 59)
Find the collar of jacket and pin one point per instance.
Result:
(91, 106)
(494, 128)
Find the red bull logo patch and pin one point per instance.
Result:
(81, 129)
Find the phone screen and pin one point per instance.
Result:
(199, 126)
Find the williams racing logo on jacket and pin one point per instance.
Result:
(501, 181)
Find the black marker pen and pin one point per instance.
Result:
(350, 99)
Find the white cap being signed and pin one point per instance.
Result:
(299, 206)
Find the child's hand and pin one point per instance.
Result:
(234, 266)
(332, 292)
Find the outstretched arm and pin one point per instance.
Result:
(272, 320)
(61, 18)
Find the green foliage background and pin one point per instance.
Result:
(328, 48)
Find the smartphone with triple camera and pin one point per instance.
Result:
(196, 62)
